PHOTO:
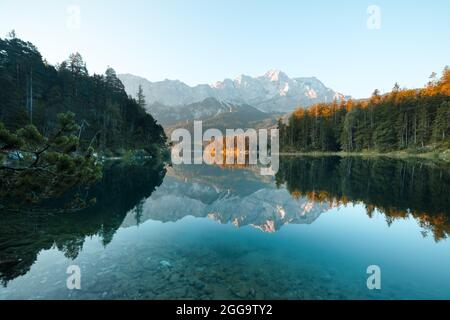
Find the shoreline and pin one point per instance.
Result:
(443, 156)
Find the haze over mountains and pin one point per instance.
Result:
(170, 101)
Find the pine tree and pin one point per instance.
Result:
(141, 97)
(423, 126)
(441, 124)
(76, 65)
(397, 120)
(12, 34)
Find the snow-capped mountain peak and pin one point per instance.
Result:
(275, 75)
(274, 91)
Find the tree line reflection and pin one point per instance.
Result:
(397, 188)
(24, 235)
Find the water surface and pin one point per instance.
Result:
(209, 232)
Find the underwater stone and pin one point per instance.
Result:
(165, 264)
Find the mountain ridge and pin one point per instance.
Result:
(274, 91)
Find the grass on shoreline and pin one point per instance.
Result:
(440, 156)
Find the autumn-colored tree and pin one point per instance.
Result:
(399, 120)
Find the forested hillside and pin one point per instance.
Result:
(414, 120)
(32, 91)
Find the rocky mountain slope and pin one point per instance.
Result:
(272, 92)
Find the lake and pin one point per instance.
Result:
(212, 232)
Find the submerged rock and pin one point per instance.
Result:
(243, 292)
(165, 264)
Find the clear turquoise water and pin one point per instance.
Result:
(215, 233)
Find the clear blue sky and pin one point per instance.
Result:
(201, 41)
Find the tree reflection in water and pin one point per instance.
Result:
(397, 188)
(122, 188)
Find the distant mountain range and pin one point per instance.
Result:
(171, 101)
(214, 114)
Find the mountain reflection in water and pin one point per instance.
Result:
(303, 189)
